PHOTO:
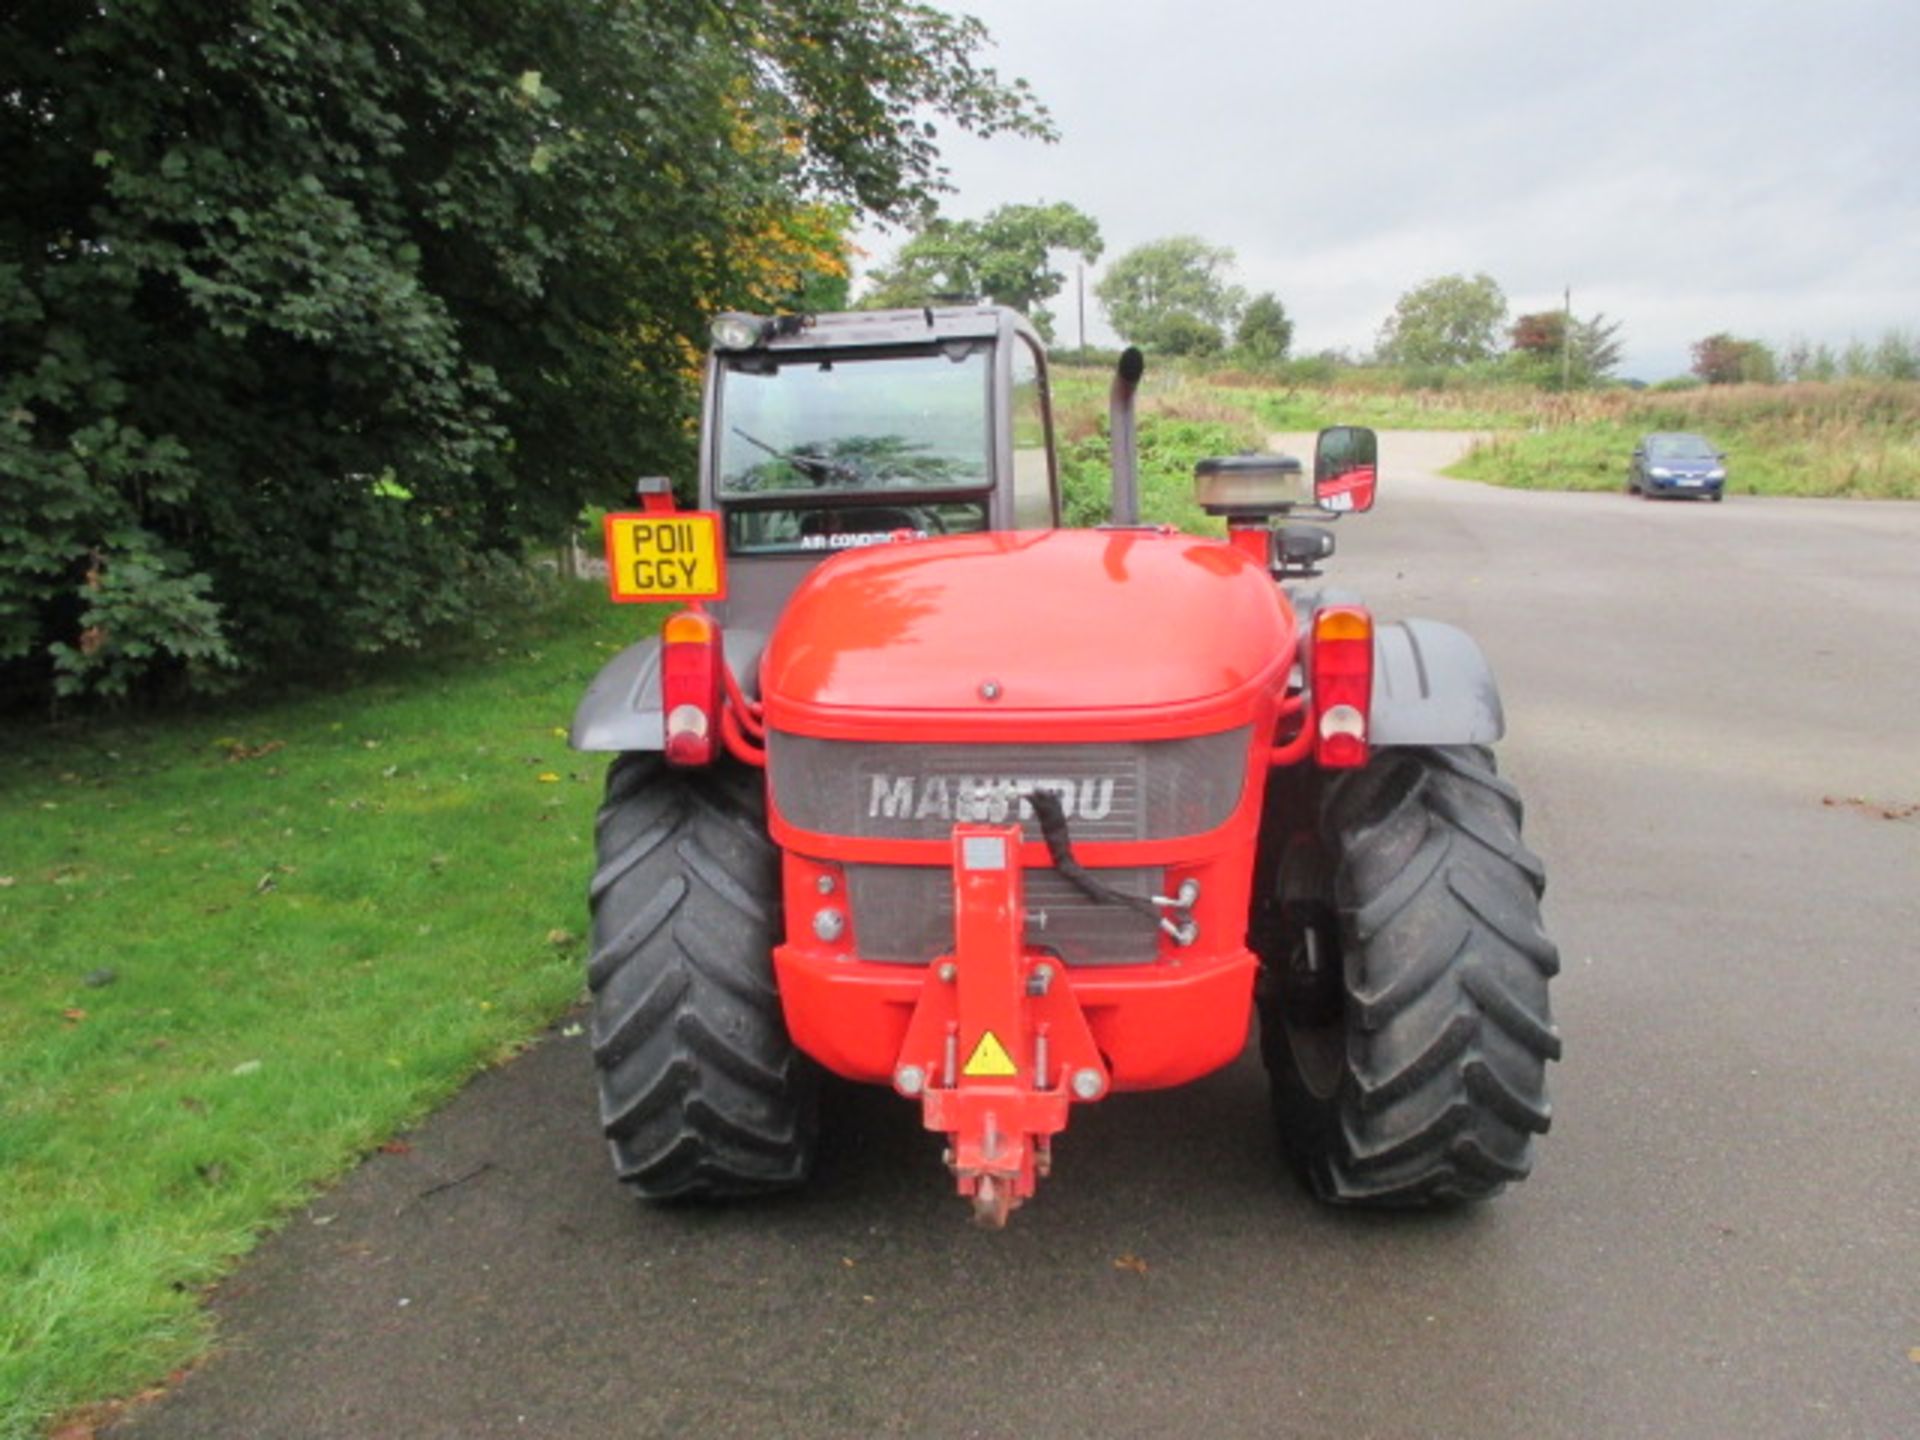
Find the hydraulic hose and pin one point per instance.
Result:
(1052, 816)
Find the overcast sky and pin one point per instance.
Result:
(1685, 166)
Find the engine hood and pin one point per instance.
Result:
(1133, 631)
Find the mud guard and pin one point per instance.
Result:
(1432, 686)
(621, 710)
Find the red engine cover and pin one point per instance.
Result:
(1131, 633)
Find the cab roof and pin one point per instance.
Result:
(857, 328)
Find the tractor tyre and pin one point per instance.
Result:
(1428, 1083)
(702, 1093)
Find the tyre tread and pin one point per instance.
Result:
(702, 1094)
(1448, 1026)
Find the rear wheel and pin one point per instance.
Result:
(1418, 1076)
(701, 1090)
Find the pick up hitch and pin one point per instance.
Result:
(998, 1047)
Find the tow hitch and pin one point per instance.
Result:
(998, 1047)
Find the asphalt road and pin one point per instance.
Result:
(1708, 705)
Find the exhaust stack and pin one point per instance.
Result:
(1120, 436)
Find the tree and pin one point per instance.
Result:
(1724, 359)
(1897, 356)
(1583, 355)
(1757, 365)
(1016, 242)
(938, 261)
(1541, 333)
(1447, 321)
(801, 260)
(1004, 257)
(314, 311)
(1172, 295)
(1596, 349)
(1183, 334)
(1796, 361)
(1265, 334)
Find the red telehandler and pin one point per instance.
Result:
(920, 788)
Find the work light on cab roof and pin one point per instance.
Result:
(735, 330)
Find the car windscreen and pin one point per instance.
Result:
(1680, 447)
(812, 424)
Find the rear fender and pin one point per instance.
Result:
(621, 710)
(1432, 686)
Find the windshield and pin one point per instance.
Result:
(1679, 447)
(892, 422)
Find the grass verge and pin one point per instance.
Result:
(239, 948)
(1852, 439)
(1266, 405)
(1296, 409)
(1856, 441)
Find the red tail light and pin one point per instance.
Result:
(690, 680)
(1342, 682)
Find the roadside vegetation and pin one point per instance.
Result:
(1855, 439)
(1384, 407)
(1179, 423)
(1805, 419)
(246, 944)
(319, 313)
(1849, 439)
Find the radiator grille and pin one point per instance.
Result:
(1147, 790)
(905, 913)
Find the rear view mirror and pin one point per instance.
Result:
(1346, 463)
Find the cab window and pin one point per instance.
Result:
(1033, 481)
(822, 452)
(811, 423)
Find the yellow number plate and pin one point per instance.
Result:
(666, 557)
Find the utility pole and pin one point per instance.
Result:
(1080, 270)
(1566, 343)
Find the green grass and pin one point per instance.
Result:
(1845, 440)
(1854, 438)
(1314, 409)
(1268, 404)
(321, 913)
(1587, 457)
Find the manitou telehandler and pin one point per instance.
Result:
(920, 788)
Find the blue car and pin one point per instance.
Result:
(1675, 463)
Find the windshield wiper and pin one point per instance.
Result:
(819, 467)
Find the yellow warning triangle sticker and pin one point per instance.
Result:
(989, 1058)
